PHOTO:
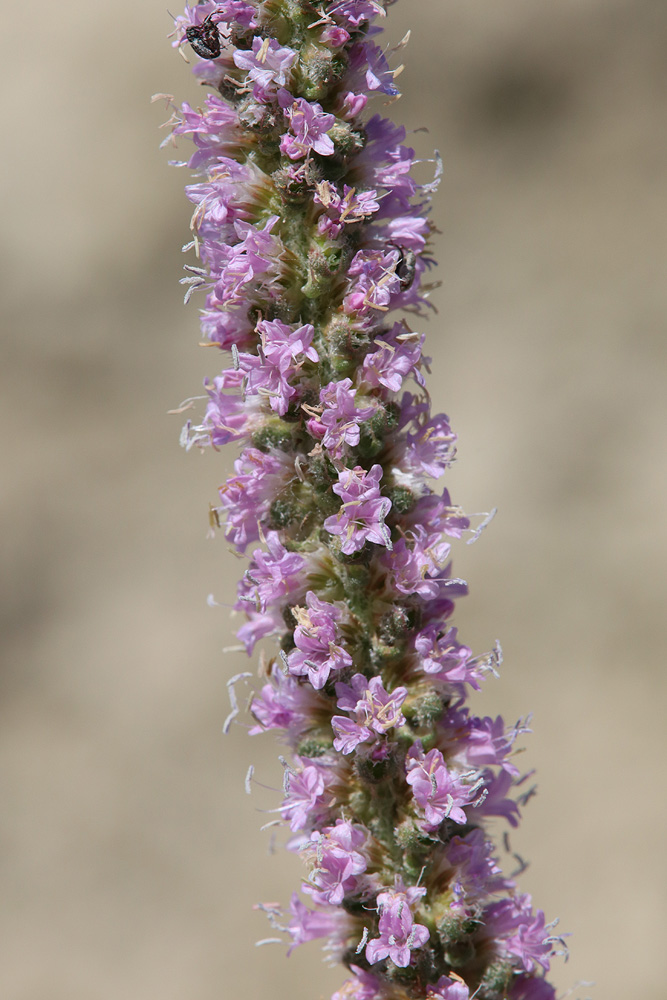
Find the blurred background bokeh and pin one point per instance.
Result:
(130, 855)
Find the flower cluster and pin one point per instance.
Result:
(310, 232)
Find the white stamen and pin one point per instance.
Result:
(480, 527)
(273, 822)
(233, 700)
(364, 939)
(248, 779)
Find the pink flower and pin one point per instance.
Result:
(228, 416)
(273, 575)
(345, 210)
(354, 12)
(338, 862)
(431, 448)
(399, 934)
(439, 792)
(495, 801)
(268, 380)
(308, 127)
(444, 658)
(416, 564)
(247, 495)
(364, 986)
(477, 873)
(522, 933)
(255, 254)
(339, 423)
(283, 703)
(393, 361)
(317, 652)
(268, 65)
(530, 988)
(305, 796)
(309, 925)
(283, 346)
(216, 131)
(361, 516)
(376, 282)
(374, 711)
(448, 989)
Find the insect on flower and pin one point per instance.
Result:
(204, 38)
(406, 267)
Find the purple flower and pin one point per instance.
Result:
(364, 986)
(258, 626)
(522, 933)
(488, 742)
(216, 131)
(225, 326)
(308, 130)
(268, 65)
(305, 796)
(247, 495)
(349, 734)
(444, 658)
(530, 945)
(255, 254)
(308, 925)
(477, 873)
(317, 652)
(273, 575)
(369, 69)
(227, 418)
(376, 284)
(441, 793)
(283, 346)
(399, 934)
(374, 710)
(343, 210)
(494, 802)
(407, 231)
(339, 422)
(354, 12)
(232, 192)
(352, 105)
(281, 704)
(530, 988)
(334, 36)
(338, 862)
(438, 512)
(385, 163)
(416, 563)
(236, 12)
(430, 449)
(361, 516)
(394, 359)
(448, 989)
(268, 380)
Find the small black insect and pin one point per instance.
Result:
(406, 267)
(204, 38)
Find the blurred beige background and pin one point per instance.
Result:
(131, 856)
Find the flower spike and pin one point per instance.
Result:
(311, 233)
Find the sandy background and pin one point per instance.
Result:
(130, 855)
